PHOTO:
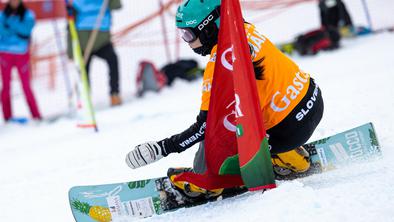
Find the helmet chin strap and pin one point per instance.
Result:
(203, 50)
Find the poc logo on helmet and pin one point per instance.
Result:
(205, 22)
(179, 15)
(192, 22)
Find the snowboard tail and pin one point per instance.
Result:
(129, 201)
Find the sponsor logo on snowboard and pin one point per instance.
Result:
(339, 152)
(115, 206)
(138, 184)
(353, 140)
(322, 156)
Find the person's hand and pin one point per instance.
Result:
(144, 154)
(70, 10)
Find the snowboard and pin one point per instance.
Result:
(131, 201)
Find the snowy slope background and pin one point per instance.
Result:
(39, 163)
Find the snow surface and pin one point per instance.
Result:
(39, 163)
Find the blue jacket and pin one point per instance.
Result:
(87, 12)
(15, 34)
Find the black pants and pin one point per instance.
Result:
(107, 53)
(298, 126)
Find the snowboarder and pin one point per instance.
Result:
(291, 101)
(16, 25)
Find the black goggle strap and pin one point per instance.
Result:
(215, 14)
(196, 31)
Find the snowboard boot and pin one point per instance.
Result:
(189, 189)
(287, 164)
(115, 100)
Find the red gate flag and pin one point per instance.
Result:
(253, 151)
(235, 140)
(220, 142)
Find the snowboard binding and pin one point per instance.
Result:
(195, 194)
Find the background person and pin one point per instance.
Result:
(16, 24)
(86, 13)
(336, 19)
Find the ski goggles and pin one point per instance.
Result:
(191, 34)
(188, 35)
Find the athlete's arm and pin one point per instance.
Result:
(182, 141)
